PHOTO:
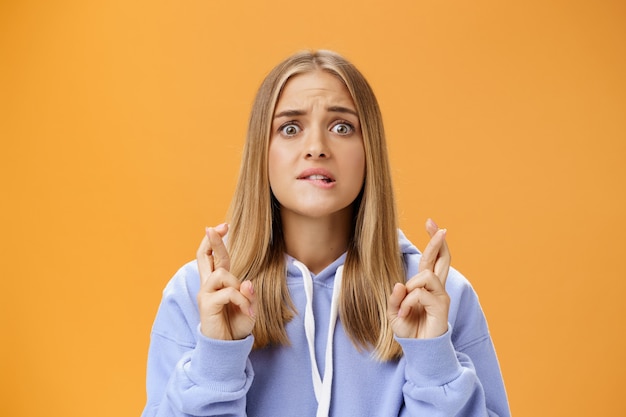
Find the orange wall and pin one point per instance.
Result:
(121, 126)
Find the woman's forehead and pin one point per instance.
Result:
(315, 85)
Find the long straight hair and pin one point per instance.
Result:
(373, 261)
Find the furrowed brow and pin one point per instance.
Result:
(289, 113)
(341, 109)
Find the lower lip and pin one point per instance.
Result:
(320, 183)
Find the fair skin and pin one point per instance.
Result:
(316, 170)
(419, 308)
(316, 166)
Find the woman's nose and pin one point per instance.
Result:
(316, 144)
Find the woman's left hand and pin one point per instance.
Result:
(419, 308)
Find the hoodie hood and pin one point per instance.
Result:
(325, 276)
(328, 274)
(406, 247)
(330, 278)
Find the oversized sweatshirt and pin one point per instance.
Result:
(456, 374)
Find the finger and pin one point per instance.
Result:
(228, 295)
(221, 259)
(205, 260)
(420, 297)
(222, 229)
(219, 279)
(425, 289)
(442, 265)
(431, 227)
(247, 289)
(431, 253)
(427, 280)
(434, 306)
(395, 299)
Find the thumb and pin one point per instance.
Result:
(395, 300)
(247, 289)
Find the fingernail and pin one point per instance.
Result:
(444, 231)
(432, 222)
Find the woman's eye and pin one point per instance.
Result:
(343, 128)
(290, 130)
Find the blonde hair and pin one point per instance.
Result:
(373, 262)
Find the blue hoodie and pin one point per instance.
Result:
(456, 374)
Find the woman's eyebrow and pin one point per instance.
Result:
(333, 109)
(289, 113)
(341, 109)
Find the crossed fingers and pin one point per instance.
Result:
(419, 307)
(227, 306)
(212, 253)
(436, 256)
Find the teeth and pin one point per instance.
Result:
(318, 177)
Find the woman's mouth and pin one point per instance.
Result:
(318, 177)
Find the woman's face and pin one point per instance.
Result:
(316, 154)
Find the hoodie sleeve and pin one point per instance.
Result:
(189, 374)
(456, 374)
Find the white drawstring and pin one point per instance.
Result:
(322, 387)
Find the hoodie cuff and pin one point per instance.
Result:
(221, 363)
(430, 362)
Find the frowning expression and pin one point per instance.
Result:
(316, 155)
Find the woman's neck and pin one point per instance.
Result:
(316, 242)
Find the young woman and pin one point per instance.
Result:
(311, 302)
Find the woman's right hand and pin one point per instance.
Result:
(227, 307)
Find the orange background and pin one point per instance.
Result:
(121, 127)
